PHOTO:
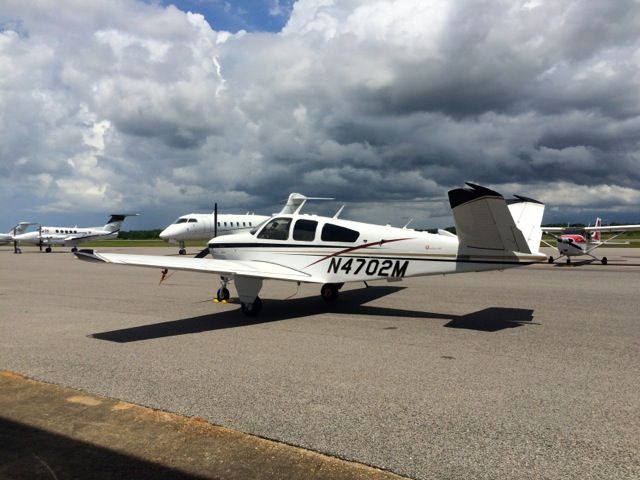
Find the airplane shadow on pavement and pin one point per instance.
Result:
(350, 302)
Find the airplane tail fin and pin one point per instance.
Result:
(527, 214)
(484, 223)
(115, 221)
(596, 235)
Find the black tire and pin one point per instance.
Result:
(253, 309)
(550, 259)
(74, 249)
(329, 292)
(48, 249)
(18, 251)
(222, 294)
(568, 260)
(604, 260)
(182, 251)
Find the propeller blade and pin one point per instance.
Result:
(203, 253)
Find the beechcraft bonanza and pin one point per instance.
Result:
(573, 242)
(71, 236)
(204, 226)
(330, 251)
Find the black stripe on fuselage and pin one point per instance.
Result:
(382, 257)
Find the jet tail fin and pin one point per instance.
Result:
(484, 222)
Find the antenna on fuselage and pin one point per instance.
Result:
(339, 212)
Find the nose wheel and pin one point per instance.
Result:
(222, 294)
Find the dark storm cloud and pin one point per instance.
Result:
(147, 108)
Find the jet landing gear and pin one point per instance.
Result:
(604, 260)
(74, 249)
(182, 250)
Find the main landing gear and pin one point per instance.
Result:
(252, 309)
(329, 291)
(74, 249)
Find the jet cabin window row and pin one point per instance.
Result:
(305, 230)
(195, 220)
(66, 231)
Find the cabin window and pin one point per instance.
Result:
(57, 231)
(305, 230)
(225, 224)
(276, 229)
(244, 224)
(250, 224)
(218, 223)
(181, 220)
(334, 233)
(193, 220)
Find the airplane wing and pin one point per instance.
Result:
(614, 228)
(246, 268)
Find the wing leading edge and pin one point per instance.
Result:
(246, 268)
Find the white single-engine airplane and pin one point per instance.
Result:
(573, 242)
(204, 226)
(48, 236)
(330, 251)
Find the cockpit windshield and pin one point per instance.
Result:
(258, 227)
(180, 220)
(276, 229)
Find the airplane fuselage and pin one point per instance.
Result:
(339, 251)
(572, 245)
(65, 235)
(199, 226)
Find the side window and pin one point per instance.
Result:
(305, 230)
(193, 220)
(276, 229)
(181, 220)
(334, 233)
(218, 223)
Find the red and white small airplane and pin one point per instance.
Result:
(491, 235)
(573, 242)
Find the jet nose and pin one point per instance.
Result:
(164, 234)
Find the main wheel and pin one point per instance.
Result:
(48, 249)
(252, 309)
(604, 260)
(550, 259)
(329, 292)
(182, 251)
(74, 249)
(222, 294)
(568, 260)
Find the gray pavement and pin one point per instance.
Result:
(527, 373)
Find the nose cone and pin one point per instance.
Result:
(172, 232)
(166, 233)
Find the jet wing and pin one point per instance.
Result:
(245, 268)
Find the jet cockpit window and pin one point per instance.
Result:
(181, 220)
(305, 230)
(276, 229)
(193, 220)
(335, 233)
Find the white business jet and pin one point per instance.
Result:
(6, 238)
(203, 226)
(577, 241)
(330, 251)
(48, 236)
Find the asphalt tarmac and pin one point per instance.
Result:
(527, 373)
